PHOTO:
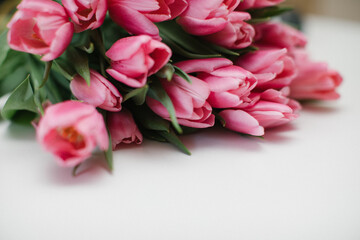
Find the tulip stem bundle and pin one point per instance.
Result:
(102, 73)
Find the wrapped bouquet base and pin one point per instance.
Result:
(97, 74)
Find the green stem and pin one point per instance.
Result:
(98, 40)
(46, 73)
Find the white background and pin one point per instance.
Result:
(301, 182)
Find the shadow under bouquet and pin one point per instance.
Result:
(94, 74)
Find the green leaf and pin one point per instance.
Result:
(13, 61)
(64, 68)
(74, 171)
(149, 120)
(153, 135)
(58, 88)
(13, 71)
(22, 98)
(185, 53)
(23, 117)
(187, 45)
(222, 50)
(174, 140)
(38, 102)
(111, 32)
(36, 76)
(268, 12)
(98, 40)
(174, 32)
(36, 71)
(258, 20)
(247, 50)
(4, 47)
(138, 95)
(109, 154)
(81, 39)
(190, 130)
(39, 72)
(80, 61)
(11, 81)
(157, 92)
(182, 74)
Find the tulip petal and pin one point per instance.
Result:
(241, 121)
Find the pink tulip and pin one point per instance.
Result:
(133, 59)
(271, 114)
(71, 131)
(315, 80)
(101, 93)
(240, 121)
(237, 33)
(279, 35)
(271, 108)
(123, 129)
(189, 100)
(137, 17)
(86, 14)
(281, 97)
(246, 4)
(272, 67)
(176, 7)
(230, 85)
(204, 17)
(268, 109)
(40, 27)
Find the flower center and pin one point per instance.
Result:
(74, 137)
(84, 12)
(35, 36)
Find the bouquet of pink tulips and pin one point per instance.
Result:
(94, 74)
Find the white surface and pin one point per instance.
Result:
(301, 182)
